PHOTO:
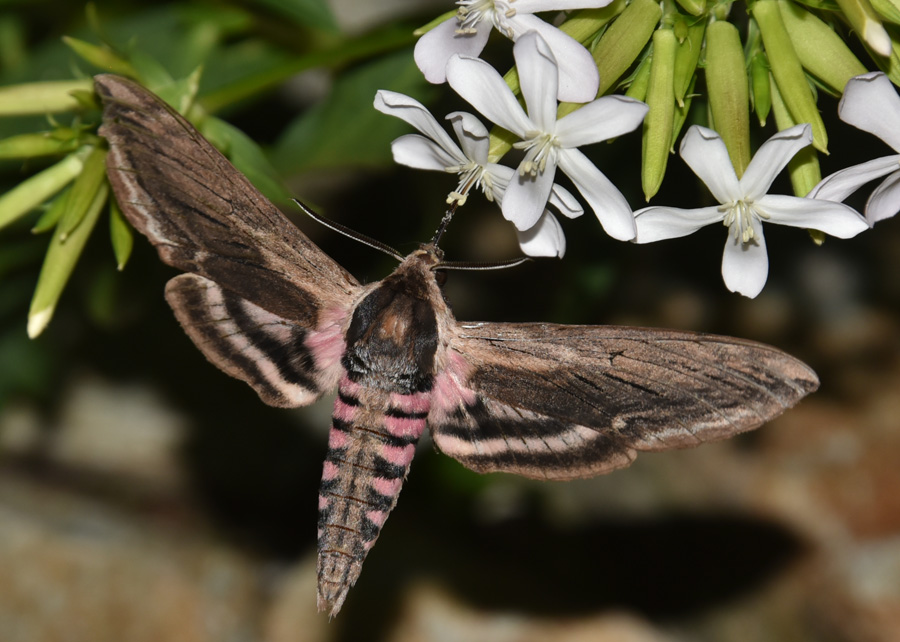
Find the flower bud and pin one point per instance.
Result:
(623, 41)
(726, 82)
(788, 72)
(821, 51)
(804, 166)
(862, 17)
(657, 139)
(48, 97)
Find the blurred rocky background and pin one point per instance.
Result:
(145, 496)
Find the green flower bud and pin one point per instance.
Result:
(788, 72)
(693, 7)
(726, 82)
(49, 97)
(864, 20)
(887, 9)
(657, 139)
(821, 51)
(583, 25)
(640, 80)
(686, 57)
(623, 41)
(760, 93)
(804, 167)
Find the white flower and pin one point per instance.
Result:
(437, 151)
(546, 141)
(745, 205)
(869, 103)
(468, 33)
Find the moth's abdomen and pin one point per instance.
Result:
(370, 446)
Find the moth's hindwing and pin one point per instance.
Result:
(286, 363)
(561, 402)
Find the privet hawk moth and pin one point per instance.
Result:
(546, 401)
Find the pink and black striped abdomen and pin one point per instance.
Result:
(370, 446)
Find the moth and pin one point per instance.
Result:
(546, 401)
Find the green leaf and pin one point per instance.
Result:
(62, 255)
(100, 56)
(121, 234)
(84, 190)
(246, 156)
(52, 214)
(33, 191)
(312, 13)
(34, 145)
(345, 129)
(49, 97)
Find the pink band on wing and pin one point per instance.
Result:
(327, 343)
(449, 391)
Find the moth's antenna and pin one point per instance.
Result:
(353, 234)
(465, 265)
(444, 221)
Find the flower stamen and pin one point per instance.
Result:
(540, 148)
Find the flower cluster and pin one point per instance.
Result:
(553, 66)
(548, 142)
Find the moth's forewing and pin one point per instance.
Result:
(560, 402)
(266, 305)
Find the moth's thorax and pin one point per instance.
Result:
(394, 330)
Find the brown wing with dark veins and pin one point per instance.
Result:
(263, 303)
(561, 402)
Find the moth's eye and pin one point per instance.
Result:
(440, 276)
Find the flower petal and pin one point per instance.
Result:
(563, 200)
(885, 200)
(832, 218)
(545, 238)
(417, 151)
(745, 266)
(843, 183)
(610, 207)
(578, 78)
(472, 134)
(870, 103)
(500, 176)
(481, 86)
(660, 223)
(526, 197)
(602, 119)
(538, 78)
(434, 49)
(705, 153)
(413, 112)
(772, 157)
